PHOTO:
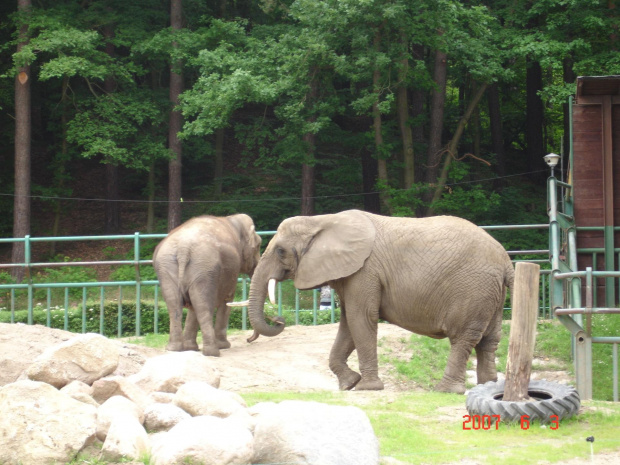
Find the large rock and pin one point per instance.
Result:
(85, 358)
(162, 417)
(314, 433)
(116, 406)
(200, 398)
(40, 425)
(206, 440)
(80, 391)
(110, 386)
(20, 344)
(168, 372)
(126, 438)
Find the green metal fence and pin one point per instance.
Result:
(139, 290)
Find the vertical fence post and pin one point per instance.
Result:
(522, 332)
(66, 308)
(244, 310)
(101, 310)
(83, 310)
(28, 277)
(49, 309)
(315, 293)
(138, 283)
(120, 311)
(614, 359)
(156, 311)
(12, 305)
(296, 306)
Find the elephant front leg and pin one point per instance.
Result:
(342, 348)
(365, 339)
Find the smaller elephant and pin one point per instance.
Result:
(197, 265)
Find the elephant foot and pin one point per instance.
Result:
(223, 344)
(348, 382)
(175, 346)
(210, 351)
(190, 345)
(369, 385)
(448, 386)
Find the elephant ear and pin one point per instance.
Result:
(340, 245)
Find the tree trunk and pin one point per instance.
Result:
(60, 174)
(308, 184)
(219, 161)
(569, 77)
(534, 120)
(150, 212)
(402, 105)
(452, 146)
(438, 101)
(418, 96)
(23, 134)
(372, 202)
(497, 137)
(378, 130)
(112, 208)
(176, 123)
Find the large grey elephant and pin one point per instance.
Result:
(440, 277)
(197, 265)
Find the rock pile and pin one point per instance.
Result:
(170, 412)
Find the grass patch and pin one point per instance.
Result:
(428, 360)
(427, 428)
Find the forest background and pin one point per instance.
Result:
(150, 112)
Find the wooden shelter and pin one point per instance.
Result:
(595, 171)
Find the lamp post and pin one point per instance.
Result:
(552, 160)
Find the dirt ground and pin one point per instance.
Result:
(296, 361)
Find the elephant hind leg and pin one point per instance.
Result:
(486, 369)
(174, 301)
(191, 329)
(222, 316)
(454, 377)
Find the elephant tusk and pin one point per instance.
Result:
(272, 291)
(243, 303)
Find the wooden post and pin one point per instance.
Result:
(522, 332)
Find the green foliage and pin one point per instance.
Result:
(602, 360)
(91, 315)
(65, 274)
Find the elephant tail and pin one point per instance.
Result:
(509, 275)
(182, 261)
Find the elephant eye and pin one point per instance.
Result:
(280, 251)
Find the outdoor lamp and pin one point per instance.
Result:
(552, 160)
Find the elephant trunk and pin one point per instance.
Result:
(256, 308)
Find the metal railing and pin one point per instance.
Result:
(566, 289)
(55, 306)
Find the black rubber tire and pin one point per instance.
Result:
(551, 399)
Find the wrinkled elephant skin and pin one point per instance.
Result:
(439, 276)
(197, 265)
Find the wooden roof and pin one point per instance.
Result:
(597, 85)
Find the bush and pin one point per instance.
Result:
(91, 318)
(93, 321)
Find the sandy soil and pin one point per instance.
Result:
(296, 361)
